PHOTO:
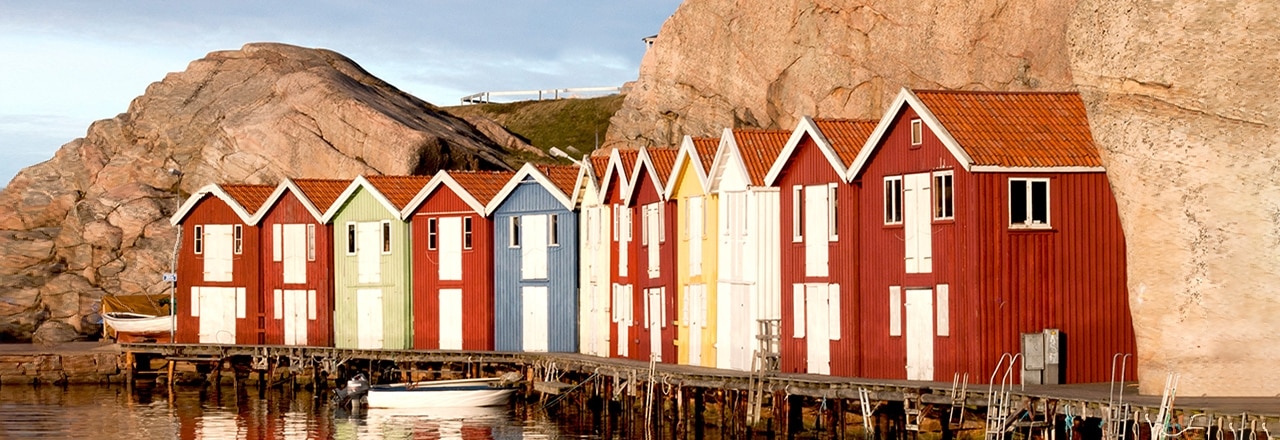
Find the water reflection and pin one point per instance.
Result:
(223, 413)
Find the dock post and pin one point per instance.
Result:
(699, 406)
(681, 425)
(838, 421)
(795, 415)
(778, 406)
(128, 370)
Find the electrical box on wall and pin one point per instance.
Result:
(1043, 354)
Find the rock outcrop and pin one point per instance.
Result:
(94, 218)
(1182, 102)
(764, 64)
(1179, 96)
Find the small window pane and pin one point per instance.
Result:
(1040, 202)
(351, 238)
(239, 239)
(466, 232)
(943, 206)
(514, 240)
(386, 237)
(917, 132)
(432, 232)
(553, 234)
(1017, 202)
(893, 200)
(199, 240)
(311, 242)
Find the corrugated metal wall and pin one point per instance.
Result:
(395, 282)
(245, 273)
(1002, 282)
(531, 198)
(289, 210)
(647, 193)
(808, 166)
(613, 197)
(477, 275)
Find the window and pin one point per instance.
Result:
(943, 205)
(893, 200)
(797, 198)
(617, 219)
(832, 232)
(351, 238)
(514, 239)
(311, 242)
(1028, 203)
(466, 232)
(553, 236)
(238, 240)
(199, 240)
(917, 132)
(432, 233)
(386, 237)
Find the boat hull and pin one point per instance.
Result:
(439, 395)
(138, 324)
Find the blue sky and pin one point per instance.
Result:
(69, 63)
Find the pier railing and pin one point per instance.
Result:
(539, 95)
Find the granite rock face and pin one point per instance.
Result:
(719, 64)
(94, 219)
(1182, 104)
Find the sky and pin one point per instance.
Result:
(69, 63)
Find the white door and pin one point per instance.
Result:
(218, 242)
(818, 338)
(743, 330)
(533, 247)
(654, 313)
(817, 236)
(450, 319)
(217, 310)
(919, 334)
(695, 316)
(450, 248)
(653, 237)
(369, 252)
(534, 312)
(917, 223)
(295, 316)
(369, 318)
(622, 305)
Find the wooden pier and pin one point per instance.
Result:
(676, 400)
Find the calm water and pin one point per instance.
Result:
(111, 412)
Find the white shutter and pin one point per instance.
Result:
(294, 242)
(240, 303)
(833, 310)
(797, 311)
(218, 242)
(195, 301)
(816, 242)
(653, 226)
(694, 223)
(685, 307)
(917, 223)
(895, 310)
(368, 252)
(311, 305)
(944, 310)
(533, 247)
(624, 240)
(449, 239)
(276, 237)
(277, 302)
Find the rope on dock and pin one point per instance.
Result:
(570, 390)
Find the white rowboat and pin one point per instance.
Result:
(137, 323)
(441, 394)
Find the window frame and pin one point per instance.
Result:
(553, 230)
(467, 232)
(833, 230)
(386, 237)
(797, 213)
(351, 238)
(1029, 205)
(311, 242)
(433, 233)
(198, 244)
(892, 205)
(937, 195)
(917, 132)
(237, 240)
(513, 232)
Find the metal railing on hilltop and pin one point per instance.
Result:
(539, 95)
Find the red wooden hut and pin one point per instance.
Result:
(654, 256)
(453, 260)
(297, 262)
(613, 190)
(988, 227)
(819, 253)
(218, 289)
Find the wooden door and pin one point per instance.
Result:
(817, 329)
(369, 253)
(217, 309)
(369, 318)
(919, 334)
(534, 324)
(655, 314)
(294, 313)
(917, 223)
(450, 319)
(450, 248)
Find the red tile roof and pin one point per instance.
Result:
(251, 197)
(1013, 129)
(599, 164)
(398, 189)
(663, 160)
(322, 192)
(706, 150)
(563, 177)
(759, 149)
(847, 136)
(629, 158)
(482, 185)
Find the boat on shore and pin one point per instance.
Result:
(491, 391)
(129, 325)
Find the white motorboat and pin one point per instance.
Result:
(138, 323)
(492, 391)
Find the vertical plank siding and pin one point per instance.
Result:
(289, 210)
(647, 192)
(477, 274)
(245, 273)
(394, 280)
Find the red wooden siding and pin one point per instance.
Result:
(477, 275)
(289, 210)
(244, 273)
(612, 196)
(1002, 282)
(808, 166)
(646, 192)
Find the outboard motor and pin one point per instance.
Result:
(355, 394)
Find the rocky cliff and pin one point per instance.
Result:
(94, 218)
(1180, 99)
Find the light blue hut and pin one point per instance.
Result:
(535, 242)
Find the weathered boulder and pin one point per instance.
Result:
(1182, 103)
(764, 64)
(54, 332)
(95, 216)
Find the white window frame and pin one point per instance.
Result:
(833, 231)
(433, 233)
(386, 237)
(198, 244)
(892, 200)
(1029, 222)
(311, 242)
(553, 231)
(351, 238)
(797, 213)
(513, 231)
(941, 211)
(917, 132)
(467, 233)
(237, 240)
